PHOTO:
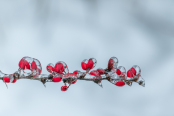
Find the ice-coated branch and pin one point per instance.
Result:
(30, 68)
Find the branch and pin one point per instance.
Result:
(30, 68)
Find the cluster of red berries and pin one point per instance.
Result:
(31, 68)
(32, 64)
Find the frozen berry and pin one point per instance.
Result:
(133, 70)
(64, 88)
(22, 64)
(101, 71)
(56, 79)
(60, 67)
(74, 82)
(6, 79)
(129, 74)
(84, 64)
(33, 65)
(14, 81)
(118, 72)
(50, 67)
(113, 61)
(120, 83)
(76, 72)
(90, 64)
(94, 73)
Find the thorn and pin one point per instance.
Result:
(44, 85)
(100, 84)
(6, 85)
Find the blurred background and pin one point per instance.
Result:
(137, 32)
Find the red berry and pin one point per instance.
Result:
(56, 79)
(118, 72)
(101, 71)
(90, 64)
(14, 81)
(136, 70)
(6, 79)
(74, 82)
(61, 73)
(94, 73)
(84, 66)
(133, 70)
(50, 69)
(64, 88)
(113, 61)
(59, 68)
(33, 65)
(129, 74)
(110, 64)
(76, 72)
(22, 64)
(27, 65)
(120, 83)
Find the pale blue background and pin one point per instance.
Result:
(135, 31)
